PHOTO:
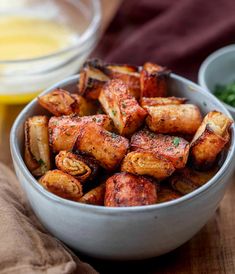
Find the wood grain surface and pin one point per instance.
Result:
(212, 250)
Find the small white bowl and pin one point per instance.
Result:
(218, 68)
(128, 232)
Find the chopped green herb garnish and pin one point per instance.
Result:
(41, 162)
(113, 135)
(226, 93)
(176, 141)
(114, 112)
(151, 134)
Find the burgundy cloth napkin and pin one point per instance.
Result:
(179, 34)
(26, 248)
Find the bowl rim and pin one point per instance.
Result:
(15, 152)
(207, 62)
(92, 28)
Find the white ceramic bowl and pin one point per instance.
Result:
(131, 232)
(218, 68)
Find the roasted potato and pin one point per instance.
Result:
(107, 148)
(128, 74)
(147, 163)
(63, 130)
(210, 139)
(91, 80)
(153, 80)
(94, 196)
(124, 189)
(61, 102)
(123, 108)
(58, 102)
(37, 151)
(161, 101)
(184, 119)
(83, 107)
(166, 193)
(161, 146)
(187, 179)
(62, 184)
(80, 166)
(175, 149)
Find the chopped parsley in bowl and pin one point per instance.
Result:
(226, 93)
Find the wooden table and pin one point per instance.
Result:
(212, 250)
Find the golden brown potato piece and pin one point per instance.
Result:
(187, 180)
(184, 119)
(107, 148)
(161, 101)
(124, 189)
(210, 139)
(81, 167)
(83, 107)
(94, 196)
(128, 74)
(123, 108)
(153, 80)
(91, 80)
(61, 102)
(62, 184)
(166, 194)
(37, 152)
(63, 130)
(175, 149)
(147, 163)
(58, 102)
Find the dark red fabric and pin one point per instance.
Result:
(177, 33)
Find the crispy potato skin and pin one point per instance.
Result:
(80, 166)
(166, 193)
(63, 130)
(153, 80)
(126, 73)
(83, 107)
(62, 184)
(123, 189)
(61, 102)
(210, 139)
(91, 80)
(58, 102)
(176, 153)
(107, 148)
(187, 179)
(37, 151)
(161, 101)
(184, 119)
(123, 108)
(94, 196)
(147, 163)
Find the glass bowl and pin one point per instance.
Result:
(21, 80)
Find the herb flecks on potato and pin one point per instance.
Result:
(124, 189)
(147, 148)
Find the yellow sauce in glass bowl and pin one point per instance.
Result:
(27, 37)
(24, 37)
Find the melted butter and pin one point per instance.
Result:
(26, 37)
(23, 37)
